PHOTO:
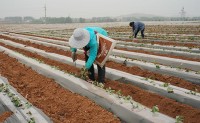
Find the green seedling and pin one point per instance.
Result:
(29, 113)
(166, 84)
(16, 101)
(119, 94)
(130, 37)
(55, 67)
(127, 98)
(198, 72)
(146, 79)
(170, 90)
(28, 105)
(179, 119)
(84, 74)
(109, 90)
(1, 87)
(191, 92)
(155, 109)
(32, 120)
(134, 105)
(157, 66)
(10, 94)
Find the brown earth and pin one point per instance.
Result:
(166, 29)
(133, 70)
(165, 55)
(155, 76)
(189, 45)
(58, 103)
(41, 36)
(4, 116)
(166, 105)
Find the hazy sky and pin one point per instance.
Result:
(97, 8)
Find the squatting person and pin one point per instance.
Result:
(86, 38)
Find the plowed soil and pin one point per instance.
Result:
(61, 105)
(167, 106)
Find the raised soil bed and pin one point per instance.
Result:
(167, 106)
(58, 103)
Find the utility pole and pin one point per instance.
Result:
(182, 13)
(45, 12)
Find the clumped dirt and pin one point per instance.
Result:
(166, 105)
(4, 116)
(58, 103)
(155, 76)
(62, 52)
(133, 70)
(158, 54)
(42, 36)
(168, 43)
(190, 45)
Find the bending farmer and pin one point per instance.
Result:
(136, 27)
(86, 38)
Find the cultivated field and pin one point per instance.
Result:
(156, 79)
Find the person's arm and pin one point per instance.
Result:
(92, 56)
(73, 55)
(73, 49)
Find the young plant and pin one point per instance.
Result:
(157, 66)
(155, 109)
(119, 94)
(28, 105)
(134, 105)
(170, 90)
(166, 84)
(32, 120)
(179, 119)
(84, 74)
(109, 90)
(191, 92)
(127, 98)
(16, 101)
(1, 87)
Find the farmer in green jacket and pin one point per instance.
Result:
(86, 38)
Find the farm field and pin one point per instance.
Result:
(156, 79)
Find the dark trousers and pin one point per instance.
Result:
(101, 71)
(142, 33)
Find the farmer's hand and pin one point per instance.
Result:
(74, 57)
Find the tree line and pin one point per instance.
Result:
(63, 20)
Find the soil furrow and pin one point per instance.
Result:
(58, 103)
(167, 106)
(132, 70)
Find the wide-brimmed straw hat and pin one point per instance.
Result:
(80, 38)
